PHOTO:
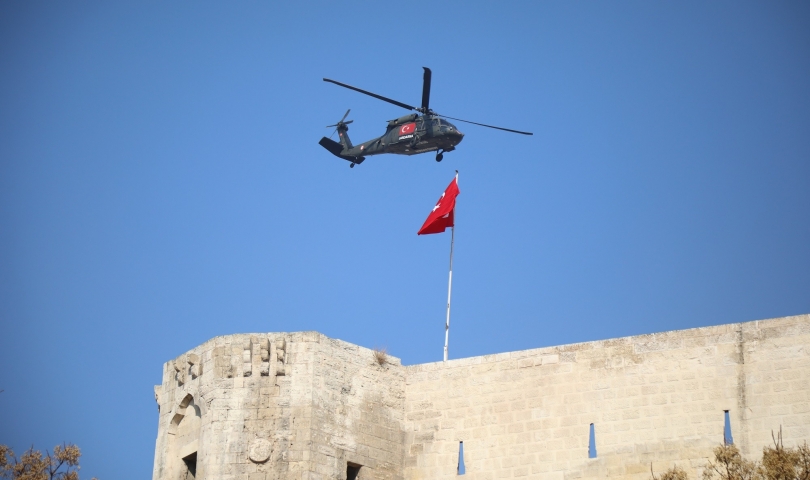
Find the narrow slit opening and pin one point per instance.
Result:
(727, 438)
(191, 465)
(461, 469)
(352, 470)
(592, 443)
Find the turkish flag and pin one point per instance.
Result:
(407, 128)
(442, 215)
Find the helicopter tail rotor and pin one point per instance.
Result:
(342, 128)
(341, 124)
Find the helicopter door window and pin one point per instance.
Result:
(441, 126)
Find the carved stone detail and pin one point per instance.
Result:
(281, 346)
(196, 366)
(180, 371)
(260, 450)
(247, 365)
(264, 352)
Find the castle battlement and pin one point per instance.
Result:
(303, 406)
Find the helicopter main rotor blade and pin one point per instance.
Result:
(379, 97)
(485, 125)
(426, 90)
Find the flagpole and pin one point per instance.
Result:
(449, 292)
(450, 280)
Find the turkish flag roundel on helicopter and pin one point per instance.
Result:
(407, 128)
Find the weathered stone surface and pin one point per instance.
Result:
(260, 450)
(316, 405)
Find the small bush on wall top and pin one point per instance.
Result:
(778, 463)
(380, 356)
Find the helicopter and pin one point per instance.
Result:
(408, 135)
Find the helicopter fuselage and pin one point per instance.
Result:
(408, 135)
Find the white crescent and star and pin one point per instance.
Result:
(439, 203)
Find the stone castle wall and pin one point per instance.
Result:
(653, 399)
(279, 406)
(302, 406)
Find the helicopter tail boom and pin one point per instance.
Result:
(336, 149)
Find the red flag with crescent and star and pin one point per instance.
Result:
(442, 215)
(407, 128)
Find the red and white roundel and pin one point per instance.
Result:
(407, 128)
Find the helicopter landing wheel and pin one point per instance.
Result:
(352, 165)
(439, 157)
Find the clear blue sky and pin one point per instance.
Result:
(161, 183)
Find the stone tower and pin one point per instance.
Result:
(302, 406)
